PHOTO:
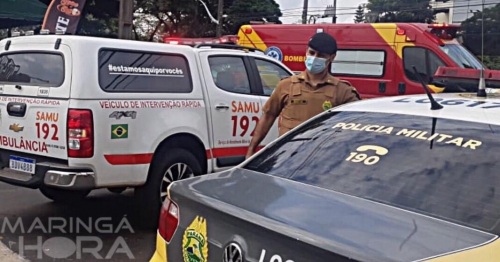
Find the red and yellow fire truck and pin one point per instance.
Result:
(378, 58)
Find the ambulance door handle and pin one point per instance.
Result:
(16, 109)
(221, 106)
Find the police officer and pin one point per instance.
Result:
(300, 97)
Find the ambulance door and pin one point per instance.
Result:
(425, 61)
(269, 73)
(234, 106)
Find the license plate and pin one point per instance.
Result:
(22, 164)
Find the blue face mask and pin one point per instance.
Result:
(315, 64)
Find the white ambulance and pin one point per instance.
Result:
(82, 113)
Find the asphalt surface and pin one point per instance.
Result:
(37, 229)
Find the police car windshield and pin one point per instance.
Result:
(443, 168)
(461, 56)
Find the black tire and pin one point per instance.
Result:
(64, 196)
(149, 196)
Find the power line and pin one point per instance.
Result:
(320, 10)
(409, 5)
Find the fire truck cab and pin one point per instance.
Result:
(377, 58)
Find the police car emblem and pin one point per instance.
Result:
(194, 241)
(275, 53)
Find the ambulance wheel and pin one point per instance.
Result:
(168, 165)
(64, 196)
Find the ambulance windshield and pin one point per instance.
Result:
(461, 56)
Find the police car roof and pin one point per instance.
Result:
(458, 106)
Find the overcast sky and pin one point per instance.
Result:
(292, 9)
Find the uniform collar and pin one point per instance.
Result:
(302, 77)
(329, 84)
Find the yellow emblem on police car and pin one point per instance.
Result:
(195, 242)
(327, 105)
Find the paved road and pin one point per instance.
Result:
(40, 230)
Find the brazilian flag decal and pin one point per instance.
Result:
(119, 131)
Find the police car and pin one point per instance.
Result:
(81, 113)
(410, 178)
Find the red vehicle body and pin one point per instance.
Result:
(378, 58)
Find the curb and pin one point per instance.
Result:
(6, 255)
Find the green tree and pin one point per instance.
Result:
(472, 32)
(191, 19)
(492, 62)
(415, 11)
(360, 15)
(241, 12)
(179, 17)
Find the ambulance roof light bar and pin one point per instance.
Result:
(226, 46)
(443, 25)
(444, 31)
(227, 39)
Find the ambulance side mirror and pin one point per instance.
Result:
(434, 82)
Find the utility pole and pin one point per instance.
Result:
(334, 18)
(126, 18)
(220, 9)
(482, 33)
(481, 91)
(304, 12)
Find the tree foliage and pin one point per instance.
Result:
(472, 32)
(174, 17)
(191, 19)
(360, 15)
(243, 11)
(414, 11)
(492, 62)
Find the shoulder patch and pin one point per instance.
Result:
(355, 91)
(295, 78)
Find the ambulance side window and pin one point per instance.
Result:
(426, 62)
(270, 75)
(229, 74)
(123, 71)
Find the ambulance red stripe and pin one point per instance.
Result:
(141, 159)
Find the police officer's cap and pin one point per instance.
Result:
(323, 43)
